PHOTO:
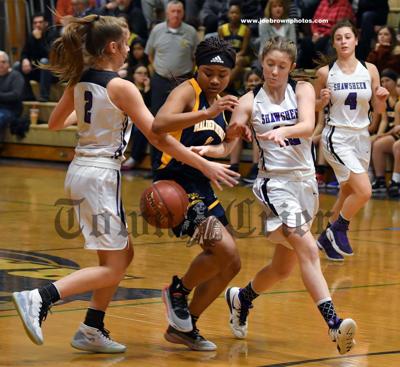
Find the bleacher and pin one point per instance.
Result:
(42, 144)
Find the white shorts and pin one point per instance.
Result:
(293, 203)
(100, 212)
(346, 150)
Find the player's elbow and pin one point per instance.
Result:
(159, 126)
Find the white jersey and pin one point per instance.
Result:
(103, 129)
(350, 96)
(293, 160)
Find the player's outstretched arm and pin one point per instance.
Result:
(128, 98)
(238, 128)
(306, 118)
(174, 114)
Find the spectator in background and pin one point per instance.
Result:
(385, 55)
(277, 10)
(238, 35)
(212, 14)
(11, 91)
(388, 131)
(319, 43)
(72, 7)
(170, 48)
(394, 186)
(36, 50)
(137, 56)
(386, 121)
(139, 77)
(154, 11)
(370, 13)
(131, 11)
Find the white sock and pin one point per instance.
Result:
(396, 177)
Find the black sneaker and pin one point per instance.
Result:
(251, 177)
(175, 301)
(192, 339)
(394, 189)
(379, 185)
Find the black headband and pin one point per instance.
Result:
(216, 58)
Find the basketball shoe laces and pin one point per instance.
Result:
(44, 310)
(244, 312)
(179, 304)
(195, 333)
(106, 333)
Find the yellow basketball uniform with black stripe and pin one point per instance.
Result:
(235, 39)
(207, 132)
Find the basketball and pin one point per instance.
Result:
(164, 204)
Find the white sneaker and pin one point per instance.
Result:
(238, 313)
(95, 340)
(32, 312)
(344, 335)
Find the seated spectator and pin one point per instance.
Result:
(394, 186)
(252, 79)
(370, 13)
(389, 131)
(212, 14)
(36, 50)
(130, 9)
(385, 55)
(137, 55)
(385, 121)
(277, 10)
(319, 43)
(238, 35)
(11, 91)
(140, 77)
(76, 8)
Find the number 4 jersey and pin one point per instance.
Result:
(103, 129)
(295, 158)
(350, 96)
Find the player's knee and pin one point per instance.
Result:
(365, 194)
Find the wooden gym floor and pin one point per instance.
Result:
(285, 328)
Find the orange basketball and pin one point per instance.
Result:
(164, 204)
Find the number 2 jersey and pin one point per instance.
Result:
(295, 158)
(350, 96)
(103, 129)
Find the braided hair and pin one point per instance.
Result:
(214, 46)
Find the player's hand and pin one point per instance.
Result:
(227, 102)
(325, 96)
(381, 93)
(219, 174)
(236, 130)
(276, 135)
